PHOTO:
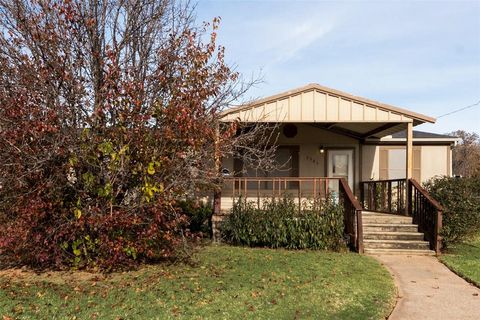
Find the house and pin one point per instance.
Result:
(332, 142)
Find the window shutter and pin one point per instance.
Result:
(294, 151)
(383, 170)
(417, 164)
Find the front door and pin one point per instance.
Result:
(340, 164)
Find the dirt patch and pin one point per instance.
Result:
(58, 277)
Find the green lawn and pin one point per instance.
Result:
(464, 259)
(227, 283)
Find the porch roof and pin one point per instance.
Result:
(328, 109)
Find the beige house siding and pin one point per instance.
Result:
(435, 161)
(312, 163)
(370, 162)
(309, 139)
(428, 161)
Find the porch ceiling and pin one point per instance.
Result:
(329, 109)
(362, 130)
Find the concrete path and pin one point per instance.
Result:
(429, 290)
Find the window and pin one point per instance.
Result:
(397, 162)
(287, 159)
(285, 156)
(393, 163)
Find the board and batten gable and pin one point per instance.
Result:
(314, 106)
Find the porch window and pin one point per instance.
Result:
(287, 159)
(397, 163)
(393, 163)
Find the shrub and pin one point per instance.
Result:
(280, 224)
(96, 148)
(460, 198)
(199, 215)
(44, 234)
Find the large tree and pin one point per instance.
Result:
(110, 111)
(466, 154)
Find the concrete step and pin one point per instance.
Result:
(389, 227)
(371, 213)
(385, 235)
(386, 219)
(372, 251)
(396, 244)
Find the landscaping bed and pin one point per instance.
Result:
(226, 282)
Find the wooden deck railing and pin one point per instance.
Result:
(303, 190)
(390, 196)
(426, 213)
(274, 187)
(387, 196)
(352, 215)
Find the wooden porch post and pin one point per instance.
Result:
(409, 164)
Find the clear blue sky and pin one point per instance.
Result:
(419, 55)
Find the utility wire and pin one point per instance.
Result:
(461, 109)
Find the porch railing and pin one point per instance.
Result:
(263, 188)
(390, 196)
(426, 213)
(303, 190)
(384, 195)
(352, 215)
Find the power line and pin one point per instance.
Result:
(461, 109)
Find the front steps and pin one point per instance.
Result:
(392, 234)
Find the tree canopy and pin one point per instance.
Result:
(110, 112)
(466, 154)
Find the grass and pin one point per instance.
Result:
(464, 259)
(227, 283)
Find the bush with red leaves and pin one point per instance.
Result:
(105, 122)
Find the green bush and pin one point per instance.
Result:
(460, 198)
(280, 224)
(199, 215)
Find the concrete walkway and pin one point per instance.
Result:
(429, 290)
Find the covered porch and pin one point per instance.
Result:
(325, 140)
(322, 133)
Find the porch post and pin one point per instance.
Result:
(409, 164)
